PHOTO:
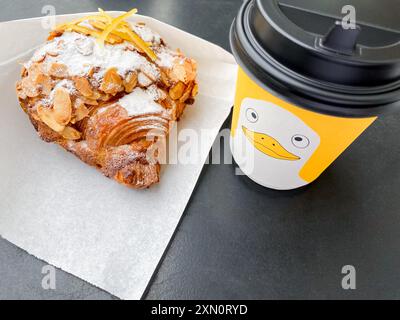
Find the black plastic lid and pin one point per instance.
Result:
(301, 49)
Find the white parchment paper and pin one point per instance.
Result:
(66, 213)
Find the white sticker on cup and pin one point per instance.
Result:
(272, 145)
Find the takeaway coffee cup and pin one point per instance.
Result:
(309, 83)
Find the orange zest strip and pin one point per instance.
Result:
(110, 30)
(113, 39)
(110, 19)
(105, 15)
(101, 26)
(77, 21)
(138, 41)
(123, 35)
(114, 24)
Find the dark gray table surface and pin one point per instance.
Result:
(238, 240)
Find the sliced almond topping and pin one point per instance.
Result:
(96, 95)
(47, 116)
(53, 53)
(62, 106)
(39, 58)
(70, 133)
(178, 73)
(105, 97)
(150, 73)
(144, 81)
(84, 46)
(83, 86)
(90, 102)
(45, 83)
(81, 111)
(24, 72)
(130, 81)
(162, 95)
(58, 70)
(20, 91)
(195, 90)
(186, 94)
(35, 69)
(190, 69)
(180, 107)
(177, 91)
(29, 87)
(168, 103)
(184, 70)
(112, 82)
(165, 79)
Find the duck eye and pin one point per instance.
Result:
(300, 141)
(252, 115)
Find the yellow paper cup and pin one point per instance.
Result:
(298, 105)
(282, 146)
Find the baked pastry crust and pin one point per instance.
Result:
(109, 104)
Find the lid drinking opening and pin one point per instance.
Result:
(378, 30)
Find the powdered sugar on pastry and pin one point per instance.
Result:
(166, 58)
(65, 84)
(147, 34)
(80, 53)
(141, 102)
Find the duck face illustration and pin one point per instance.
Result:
(271, 145)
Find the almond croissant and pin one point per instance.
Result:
(108, 103)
